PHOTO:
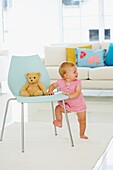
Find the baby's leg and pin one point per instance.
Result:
(82, 123)
(58, 114)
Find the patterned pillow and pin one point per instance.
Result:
(71, 53)
(90, 57)
(109, 56)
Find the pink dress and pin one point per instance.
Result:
(76, 104)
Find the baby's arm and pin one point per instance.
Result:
(75, 94)
(51, 88)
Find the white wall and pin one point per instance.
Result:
(32, 24)
(1, 25)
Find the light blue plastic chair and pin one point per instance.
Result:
(19, 66)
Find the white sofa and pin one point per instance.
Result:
(92, 78)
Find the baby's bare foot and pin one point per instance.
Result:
(57, 123)
(84, 137)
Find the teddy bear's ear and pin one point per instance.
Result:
(39, 74)
(27, 74)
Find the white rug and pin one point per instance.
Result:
(45, 151)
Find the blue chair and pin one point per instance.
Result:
(19, 66)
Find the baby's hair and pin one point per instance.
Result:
(64, 66)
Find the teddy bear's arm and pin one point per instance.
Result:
(42, 87)
(24, 87)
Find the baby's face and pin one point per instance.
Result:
(72, 73)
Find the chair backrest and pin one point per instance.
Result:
(19, 66)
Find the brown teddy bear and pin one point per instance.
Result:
(33, 87)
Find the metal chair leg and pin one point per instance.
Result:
(54, 117)
(4, 119)
(68, 125)
(22, 126)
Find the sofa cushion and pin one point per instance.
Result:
(53, 73)
(101, 73)
(54, 55)
(109, 56)
(83, 73)
(90, 57)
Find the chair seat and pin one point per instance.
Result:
(40, 99)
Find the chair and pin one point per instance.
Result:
(19, 66)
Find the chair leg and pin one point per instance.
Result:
(4, 119)
(68, 125)
(54, 117)
(22, 126)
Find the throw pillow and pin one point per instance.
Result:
(86, 46)
(90, 57)
(109, 56)
(71, 53)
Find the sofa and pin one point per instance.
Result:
(92, 77)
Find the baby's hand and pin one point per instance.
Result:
(67, 93)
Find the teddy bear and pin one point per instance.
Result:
(33, 87)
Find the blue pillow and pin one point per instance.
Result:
(109, 56)
(90, 57)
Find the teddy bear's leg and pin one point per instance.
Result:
(38, 93)
(24, 93)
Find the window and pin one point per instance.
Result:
(108, 18)
(72, 2)
(93, 35)
(107, 34)
(6, 4)
(87, 20)
(79, 19)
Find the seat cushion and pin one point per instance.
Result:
(83, 73)
(53, 73)
(101, 73)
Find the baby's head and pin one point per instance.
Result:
(68, 70)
